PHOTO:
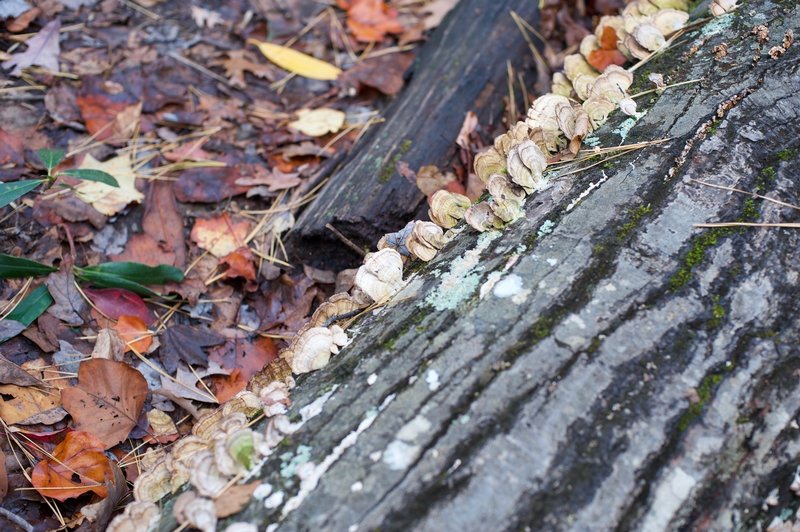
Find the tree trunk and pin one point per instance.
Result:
(602, 363)
(464, 67)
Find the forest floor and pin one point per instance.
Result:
(216, 143)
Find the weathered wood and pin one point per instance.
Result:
(626, 371)
(463, 68)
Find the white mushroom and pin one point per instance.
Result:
(381, 275)
(196, 512)
(447, 208)
(425, 240)
(489, 162)
(720, 7)
(526, 165)
(481, 217)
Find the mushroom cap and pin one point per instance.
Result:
(154, 484)
(669, 21)
(649, 37)
(336, 305)
(196, 512)
(311, 350)
(489, 162)
(205, 475)
(598, 108)
(575, 64)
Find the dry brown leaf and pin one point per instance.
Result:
(108, 399)
(220, 235)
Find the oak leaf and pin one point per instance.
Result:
(108, 399)
(370, 20)
(78, 465)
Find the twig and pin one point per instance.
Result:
(197, 66)
(346, 241)
(17, 520)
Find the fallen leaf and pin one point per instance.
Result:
(134, 333)
(384, 73)
(162, 428)
(3, 476)
(108, 399)
(78, 465)
(208, 185)
(110, 110)
(234, 499)
(240, 264)
(467, 127)
(10, 373)
(69, 304)
(274, 179)
(607, 54)
(185, 383)
(220, 235)
(117, 302)
(109, 345)
(318, 122)
(43, 50)
(107, 199)
(436, 11)
(370, 20)
(227, 386)
(99, 513)
(189, 151)
(186, 343)
(297, 62)
(12, 159)
(240, 61)
(20, 404)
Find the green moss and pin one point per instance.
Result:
(389, 344)
(635, 217)
(750, 210)
(712, 128)
(542, 328)
(388, 169)
(704, 392)
(787, 154)
(717, 314)
(594, 346)
(696, 255)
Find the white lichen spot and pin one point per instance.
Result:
(552, 261)
(376, 456)
(262, 491)
(625, 127)
(415, 427)
(314, 409)
(301, 456)
(399, 455)
(464, 419)
(272, 528)
(511, 285)
(412, 379)
(461, 281)
(609, 287)
(352, 528)
(487, 286)
(432, 378)
(356, 486)
(669, 496)
(274, 500)
(372, 379)
(545, 229)
(717, 25)
(586, 192)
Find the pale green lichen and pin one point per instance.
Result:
(625, 127)
(461, 281)
(545, 229)
(591, 141)
(292, 462)
(717, 25)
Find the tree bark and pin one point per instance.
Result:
(464, 67)
(602, 363)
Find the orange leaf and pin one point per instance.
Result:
(371, 20)
(220, 235)
(608, 54)
(108, 399)
(227, 386)
(78, 465)
(240, 264)
(134, 333)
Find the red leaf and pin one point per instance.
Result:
(117, 302)
(240, 264)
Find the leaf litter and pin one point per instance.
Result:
(215, 147)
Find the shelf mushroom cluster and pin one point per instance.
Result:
(222, 446)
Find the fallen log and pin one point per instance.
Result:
(602, 363)
(464, 67)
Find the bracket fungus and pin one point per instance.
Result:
(447, 208)
(195, 512)
(312, 349)
(380, 276)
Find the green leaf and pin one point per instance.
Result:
(12, 267)
(50, 158)
(11, 191)
(129, 275)
(88, 174)
(32, 306)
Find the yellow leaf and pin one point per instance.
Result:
(318, 122)
(297, 62)
(107, 199)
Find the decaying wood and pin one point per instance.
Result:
(601, 364)
(463, 68)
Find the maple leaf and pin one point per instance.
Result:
(370, 20)
(107, 199)
(184, 342)
(241, 61)
(43, 50)
(108, 399)
(79, 455)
